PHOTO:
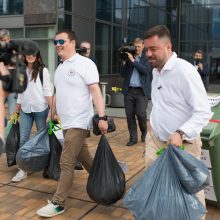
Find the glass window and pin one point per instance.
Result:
(68, 5)
(68, 22)
(11, 7)
(104, 10)
(40, 32)
(117, 41)
(60, 21)
(16, 33)
(46, 45)
(64, 21)
(133, 13)
(143, 15)
(60, 4)
(103, 48)
(43, 45)
(132, 34)
(117, 11)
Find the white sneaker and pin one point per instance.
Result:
(50, 210)
(21, 174)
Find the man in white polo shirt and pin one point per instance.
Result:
(76, 82)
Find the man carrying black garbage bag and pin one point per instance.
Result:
(76, 81)
(180, 104)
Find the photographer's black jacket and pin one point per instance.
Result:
(144, 70)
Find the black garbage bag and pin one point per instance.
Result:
(106, 181)
(34, 155)
(53, 169)
(12, 143)
(96, 130)
(160, 194)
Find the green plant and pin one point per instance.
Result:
(116, 89)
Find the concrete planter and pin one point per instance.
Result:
(116, 100)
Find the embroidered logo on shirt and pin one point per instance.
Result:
(71, 72)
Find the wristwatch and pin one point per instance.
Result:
(105, 118)
(181, 133)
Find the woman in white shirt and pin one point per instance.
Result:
(33, 103)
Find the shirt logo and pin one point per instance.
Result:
(71, 73)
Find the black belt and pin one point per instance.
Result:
(131, 87)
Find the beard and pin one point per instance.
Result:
(156, 63)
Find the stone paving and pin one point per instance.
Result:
(19, 201)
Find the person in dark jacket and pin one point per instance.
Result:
(202, 67)
(136, 89)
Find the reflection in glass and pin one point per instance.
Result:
(133, 13)
(68, 22)
(60, 21)
(117, 11)
(143, 15)
(12, 7)
(132, 34)
(68, 5)
(104, 10)
(103, 48)
(117, 41)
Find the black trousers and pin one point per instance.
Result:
(136, 106)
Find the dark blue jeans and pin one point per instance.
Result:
(26, 122)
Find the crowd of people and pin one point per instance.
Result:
(178, 91)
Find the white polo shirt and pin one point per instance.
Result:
(179, 100)
(73, 100)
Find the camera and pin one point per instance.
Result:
(81, 50)
(11, 54)
(197, 61)
(126, 47)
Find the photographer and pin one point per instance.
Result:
(136, 88)
(87, 46)
(202, 67)
(11, 98)
(3, 71)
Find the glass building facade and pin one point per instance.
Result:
(194, 24)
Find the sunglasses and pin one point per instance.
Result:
(60, 41)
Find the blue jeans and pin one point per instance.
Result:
(11, 100)
(26, 123)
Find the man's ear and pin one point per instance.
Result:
(169, 46)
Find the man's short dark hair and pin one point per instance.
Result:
(198, 51)
(158, 30)
(71, 34)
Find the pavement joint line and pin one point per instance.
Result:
(20, 187)
(90, 210)
(135, 174)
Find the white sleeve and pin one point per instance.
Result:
(90, 73)
(197, 98)
(19, 98)
(46, 83)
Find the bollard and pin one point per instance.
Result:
(103, 88)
